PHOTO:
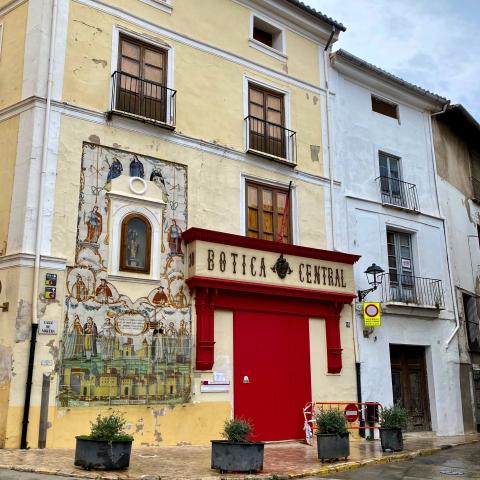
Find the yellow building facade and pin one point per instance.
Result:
(138, 139)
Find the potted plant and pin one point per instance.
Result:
(237, 453)
(107, 447)
(332, 435)
(393, 420)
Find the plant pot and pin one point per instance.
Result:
(237, 456)
(101, 454)
(333, 446)
(392, 439)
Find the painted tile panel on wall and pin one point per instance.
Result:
(117, 349)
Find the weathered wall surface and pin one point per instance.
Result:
(360, 135)
(13, 46)
(209, 86)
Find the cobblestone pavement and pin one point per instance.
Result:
(462, 462)
(193, 463)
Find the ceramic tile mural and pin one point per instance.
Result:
(117, 349)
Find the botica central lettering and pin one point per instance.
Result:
(255, 266)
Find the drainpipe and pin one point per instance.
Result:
(329, 136)
(38, 236)
(445, 228)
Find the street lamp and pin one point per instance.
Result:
(374, 277)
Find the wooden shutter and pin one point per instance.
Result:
(265, 208)
(266, 125)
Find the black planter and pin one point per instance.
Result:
(99, 454)
(333, 446)
(392, 439)
(237, 456)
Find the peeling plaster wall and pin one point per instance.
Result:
(8, 147)
(209, 87)
(13, 46)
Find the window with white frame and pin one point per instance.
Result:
(267, 37)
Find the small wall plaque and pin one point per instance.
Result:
(47, 327)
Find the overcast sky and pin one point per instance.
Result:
(432, 43)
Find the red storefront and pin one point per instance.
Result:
(274, 291)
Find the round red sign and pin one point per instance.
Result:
(351, 412)
(371, 310)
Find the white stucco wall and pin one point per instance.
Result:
(362, 222)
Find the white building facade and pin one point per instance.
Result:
(387, 210)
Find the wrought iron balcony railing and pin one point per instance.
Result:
(416, 291)
(148, 101)
(271, 140)
(398, 193)
(476, 189)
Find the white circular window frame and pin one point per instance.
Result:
(131, 184)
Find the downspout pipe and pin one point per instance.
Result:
(445, 229)
(38, 235)
(329, 136)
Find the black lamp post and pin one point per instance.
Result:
(374, 277)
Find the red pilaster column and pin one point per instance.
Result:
(204, 309)
(334, 343)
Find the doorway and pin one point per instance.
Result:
(409, 383)
(271, 355)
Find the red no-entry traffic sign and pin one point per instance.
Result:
(351, 412)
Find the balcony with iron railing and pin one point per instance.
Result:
(399, 194)
(412, 291)
(144, 100)
(270, 140)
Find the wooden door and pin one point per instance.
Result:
(141, 81)
(409, 383)
(266, 110)
(271, 355)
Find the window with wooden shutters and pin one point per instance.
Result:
(266, 212)
(141, 80)
(267, 131)
(135, 245)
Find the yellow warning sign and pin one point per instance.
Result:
(371, 314)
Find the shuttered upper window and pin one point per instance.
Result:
(268, 216)
(266, 129)
(142, 74)
(385, 108)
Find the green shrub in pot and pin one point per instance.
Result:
(394, 419)
(332, 435)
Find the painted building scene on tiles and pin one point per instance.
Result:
(118, 348)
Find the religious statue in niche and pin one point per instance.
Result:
(90, 338)
(94, 225)
(175, 239)
(136, 168)
(103, 348)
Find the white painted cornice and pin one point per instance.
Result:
(126, 124)
(11, 6)
(16, 260)
(378, 83)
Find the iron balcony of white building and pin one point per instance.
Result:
(399, 194)
(144, 100)
(476, 189)
(271, 140)
(412, 291)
